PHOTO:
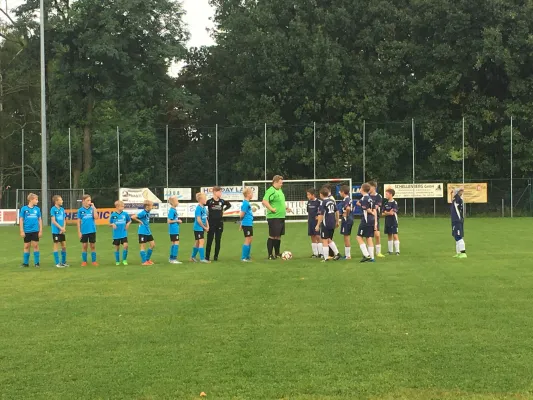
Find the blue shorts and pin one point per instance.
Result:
(391, 230)
(346, 227)
(311, 231)
(365, 231)
(458, 230)
(326, 233)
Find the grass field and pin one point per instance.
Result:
(419, 326)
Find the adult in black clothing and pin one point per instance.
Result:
(215, 208)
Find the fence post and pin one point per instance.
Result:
(503, 208)
(364, 151)
(23, 161)
(512, 167)
(118, 157)
(413, 140)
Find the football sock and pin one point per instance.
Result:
(149, 254)
(194, 252)
(348, 251)
(390, 245)
(124, 254)
(378, 248)
(249, 255)
(143, 256)
(314, 246)
(457, 247)
(371, 252)
(319, 248)
(63, 256)
(243, 256)
(26, 258)
(201, 250)
(277, 245)
(176, 251)
(270, 246)
(84, 256)
(364, 250)
(333, 247)
(397, 246)
(325, 252)
(117, 256)
(93, 256)
(37, 257)
(461, 246)
(56, 257)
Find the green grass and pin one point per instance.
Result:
(419, 326)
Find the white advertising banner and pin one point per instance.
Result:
(8, 217)
(137, 195)
(416, 190)
(231, 192)
(180, 193)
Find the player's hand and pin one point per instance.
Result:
(274, 210)
(337, 224)
(317, 227)
(207, 229)
(40, 234)
(180, 221)
(22, 234)
(79, 235)
(288, 209)
(62, 231)
(114, 226)
(358, 203)
(240, 227)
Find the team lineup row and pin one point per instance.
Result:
(324, 216)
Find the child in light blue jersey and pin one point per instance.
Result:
(57, 214)
(247, 224)
(145, 233)
(201, 225)
(87, 216)
(120, 222)
(174, 229)
(31, 229)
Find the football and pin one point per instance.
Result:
(287, 255)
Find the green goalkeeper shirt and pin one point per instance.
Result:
(276, 199)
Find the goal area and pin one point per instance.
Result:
(295, 195)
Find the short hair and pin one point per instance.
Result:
(56, 198)
(32, 196)
(345, 189)
(277, 178)
(147, 203)
(324, 191)
(246, 191)
(172, 198)
(85, 197)
(391, 191)
(199, 195)
(311, 191)
(365, 187)
(373, 183)
(118, 203)
(216, 189)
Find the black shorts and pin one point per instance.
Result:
(88, 238)
(391, 230)
(145, 239)
(248, 231)
(326, 233)
(199, 235)
(118, 242)
(174, 237)
(311, 231)
(346, 227)
(276, 227)
(216, 226)
(58, 237)
(458, 230)
(365, 231)
(31, 237)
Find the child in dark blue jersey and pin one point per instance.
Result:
(145, 233)
(377, 199)
(247, 224)
(345, 208)
(390, 212)
(326, 224)
(367, 226)
(31, 229)
(120, 221)
(313, 204)
(57, 216)
(458, 228)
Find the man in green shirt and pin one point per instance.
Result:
(274, 201)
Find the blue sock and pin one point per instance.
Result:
(143, 256)
(201, 250)
(171, 252)
(124, 255)
(37, 257)
(194, 252)
(176, 251)
(63, 256)
(56, 257)
(84, 256)
(247, 251)
(26, 259)
(93, 256)
(243, 256)
(149, 254)
(117, 256)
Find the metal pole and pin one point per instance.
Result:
(413, 140)
(463, 151)
(166, 133)
(265, 151)
(503, 208)
(118, 157)
(216, 154)
(364, 151)
(44, 150)
(69, 160)
(434, 208)
(512, 167)
(23, 161)
(314, 150)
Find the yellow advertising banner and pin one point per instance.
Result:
(474, 192)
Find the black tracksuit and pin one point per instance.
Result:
(215, 211)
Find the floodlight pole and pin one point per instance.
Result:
(44, 151)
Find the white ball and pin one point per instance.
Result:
(287, 255)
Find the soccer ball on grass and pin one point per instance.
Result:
(287, 255)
